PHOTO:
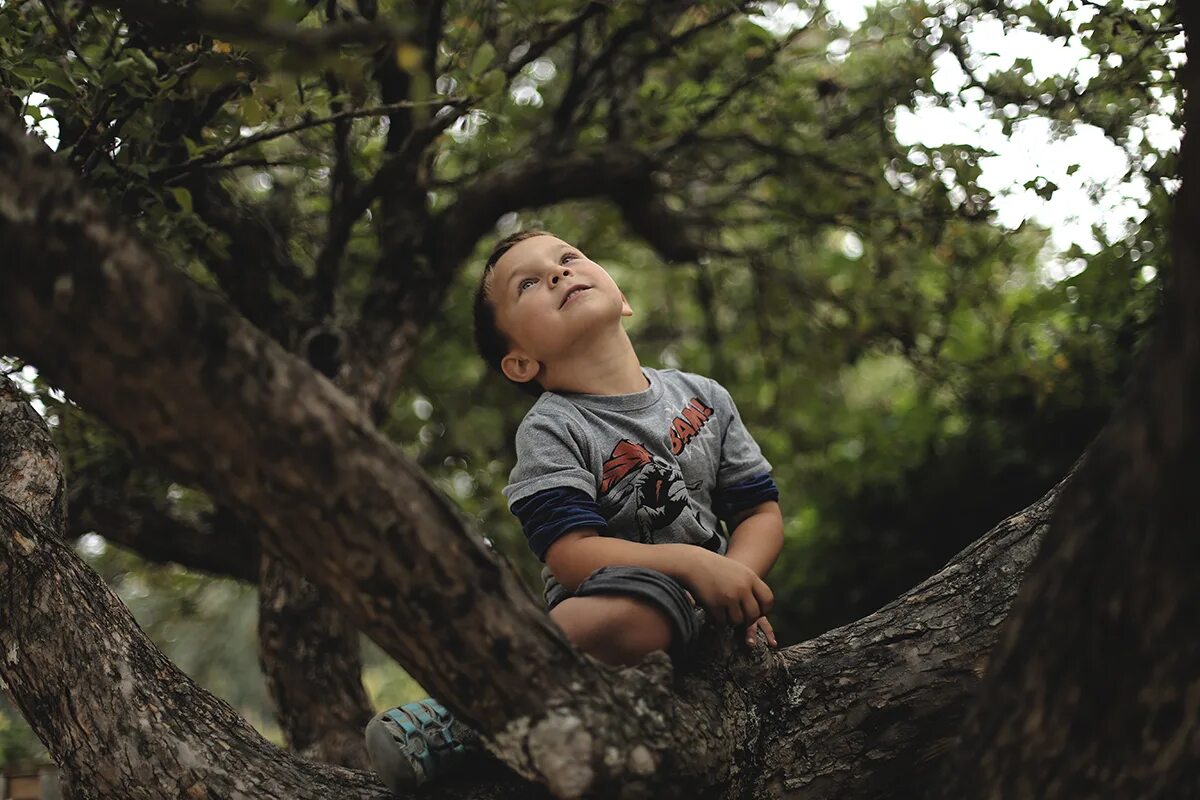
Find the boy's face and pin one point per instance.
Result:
(533, 291)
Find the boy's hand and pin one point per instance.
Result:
(728, 590)
(761, 624)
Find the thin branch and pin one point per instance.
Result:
(711, 113)
(65, 32)
(235, 26)
(261, 163)
(556, 34)
(258, 138)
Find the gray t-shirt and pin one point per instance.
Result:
(651, 459)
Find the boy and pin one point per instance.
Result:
(622, 474)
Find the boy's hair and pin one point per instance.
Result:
(491, 343)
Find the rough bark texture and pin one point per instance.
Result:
(308, 652)
(117, 717)
(871, 709)
(866, 710)
(1094, 690)
(311, 659)
(200, 390)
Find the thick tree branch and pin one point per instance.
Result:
(200, 390)
(119, 719)
(1092, 690)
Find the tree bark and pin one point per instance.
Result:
(874, 708)
(118, 718)
(866, 710)
(308, 652)
(1093, 690)
(310, 656)
(203, 392)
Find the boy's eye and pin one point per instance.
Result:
(521, 286)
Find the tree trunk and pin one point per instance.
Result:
(308, 652)
(1093, 690)
(867, 709)
(311, 658)
(871, 709)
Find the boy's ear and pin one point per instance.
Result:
(520, 367)
(626, 309)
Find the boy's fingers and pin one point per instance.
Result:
(764, 595)
(767, 630)
(750, 609)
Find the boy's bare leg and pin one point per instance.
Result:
(615, 629)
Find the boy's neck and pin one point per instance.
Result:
(608, 365)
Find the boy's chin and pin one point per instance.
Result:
(584, 332)
(597, 321)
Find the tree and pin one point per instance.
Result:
(202, 386)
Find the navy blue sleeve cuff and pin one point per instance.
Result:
(548, 514)
(731, 500)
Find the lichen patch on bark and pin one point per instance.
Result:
(560, 747)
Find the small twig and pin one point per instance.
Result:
(250, 141)
(65, 32)
(253, 162)
(251, 27)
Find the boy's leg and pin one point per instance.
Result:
(615, 629)
(619, 614)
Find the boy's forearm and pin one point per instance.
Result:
(758, 539)
(585, 555)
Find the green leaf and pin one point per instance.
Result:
(55, 75)
(482, 59)
(492, 82)
(183, 197)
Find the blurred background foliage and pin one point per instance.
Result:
(914, 370)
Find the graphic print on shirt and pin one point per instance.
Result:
(656, 484)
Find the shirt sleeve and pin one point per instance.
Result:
(732, 500)
(550, 454)
(741, 459)
(548, 514)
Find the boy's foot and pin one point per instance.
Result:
(410, 745)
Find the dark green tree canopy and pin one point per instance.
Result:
(333, 176)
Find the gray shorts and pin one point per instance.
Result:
(645, 584)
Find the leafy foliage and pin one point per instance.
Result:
(907, 364)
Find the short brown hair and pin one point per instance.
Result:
(490, 341)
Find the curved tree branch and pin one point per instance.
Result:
(203, 392)
(869, 709)
(119, 719)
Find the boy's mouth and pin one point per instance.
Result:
(574, 291)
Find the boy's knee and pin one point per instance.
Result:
(614, 628)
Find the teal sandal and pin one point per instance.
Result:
(412, 744)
